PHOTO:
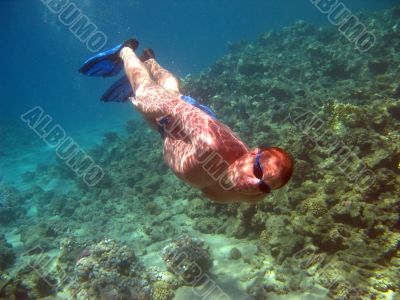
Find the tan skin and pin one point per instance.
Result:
(199, 149)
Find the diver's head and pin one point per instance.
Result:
(262, 170)
(273, 167)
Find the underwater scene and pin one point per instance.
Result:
(205, 150)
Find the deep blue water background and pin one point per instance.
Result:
(40, 56)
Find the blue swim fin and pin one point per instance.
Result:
(197, 104)
(105, 64)
(119, 91)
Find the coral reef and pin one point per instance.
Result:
(32, 281)
(235, 253)
(11, 204)
(7, 256)
(334, 231)
(109, 270)
(348, 122)
(187, 257)
(162, 291)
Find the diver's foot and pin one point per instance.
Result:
(147, 54)
(131, 43)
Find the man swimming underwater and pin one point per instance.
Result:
(197, 147)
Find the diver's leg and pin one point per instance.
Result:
(155, 102)
(136, 72)
(162, 77)
(150, 99)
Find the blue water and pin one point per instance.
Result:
(39, 68)
(40, 56)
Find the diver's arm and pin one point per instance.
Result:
(162, 77)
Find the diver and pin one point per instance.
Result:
(197, 147)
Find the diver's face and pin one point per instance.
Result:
(261, 171)
(258, 172)
(274, 167)
(242, 172)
